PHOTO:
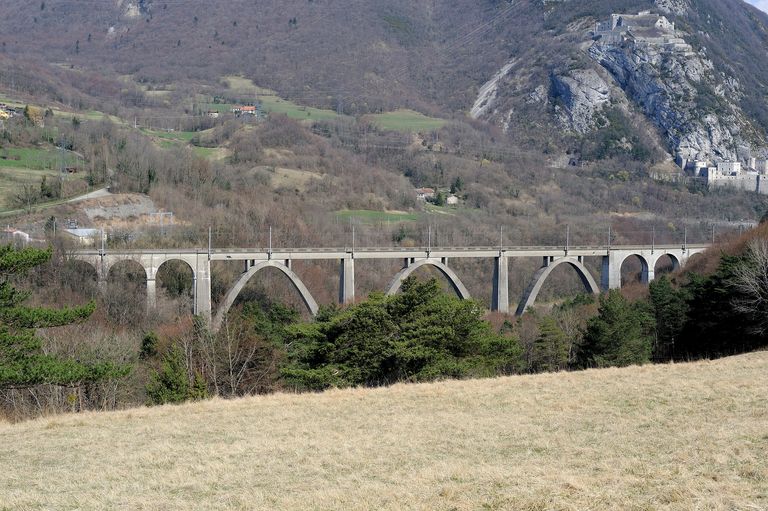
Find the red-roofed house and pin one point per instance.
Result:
(425, 193)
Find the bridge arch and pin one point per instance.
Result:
(645, 266)
(111, 266)
(168, 266)
(537, 282)
(92, 263)
(672, 258)
(232, 294)
(128, 290)
(458, 286)
(80, 276)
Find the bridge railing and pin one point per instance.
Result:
(394, 250)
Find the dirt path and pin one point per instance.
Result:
(96, 194)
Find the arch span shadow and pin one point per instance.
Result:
(629, 272)
(664, 264)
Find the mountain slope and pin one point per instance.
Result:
(702, 83)
(527, 66)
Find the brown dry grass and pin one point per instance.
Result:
(685, 436)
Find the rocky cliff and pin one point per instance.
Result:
(582, 94)
(697, 104)
(683, 95)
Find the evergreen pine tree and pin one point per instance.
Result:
(171, 384)
(620, 335)
(22, 360)
(550, 350)
(670, 310)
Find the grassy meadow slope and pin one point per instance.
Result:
(656, 437)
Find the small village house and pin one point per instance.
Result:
(425, 193)
(85, 236)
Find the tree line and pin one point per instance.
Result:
(421, 334)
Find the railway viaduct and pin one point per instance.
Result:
(255, 260)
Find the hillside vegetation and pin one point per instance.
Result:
(655, 437)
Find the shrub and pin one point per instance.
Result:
(419, 335)
(172, 383)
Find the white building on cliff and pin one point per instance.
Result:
(643, 28)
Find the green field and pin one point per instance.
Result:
(21, 166)
(171, 139)
(90, 115)
(13, 179)
(406, 121)
(34, 158)
(222, 108)
(210, 153)
(271, 102)
(243, 85)
(184, 136)
(400, 120)
(276, 105)
(10, 102)
(373, 217)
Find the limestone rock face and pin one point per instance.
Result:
(487, 95)
(678, 7)
(582, 94)
(647, 67)
(678, 93)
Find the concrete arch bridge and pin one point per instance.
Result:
(255, 260)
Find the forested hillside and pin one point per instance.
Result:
(368, 56)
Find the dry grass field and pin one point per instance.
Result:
(686, 436)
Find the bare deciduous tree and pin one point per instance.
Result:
(752, 284)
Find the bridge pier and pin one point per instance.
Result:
(500, 298)
(202, 286)
(347, 281)
(610, 276)
(151, 295)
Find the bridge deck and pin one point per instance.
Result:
(262, 254)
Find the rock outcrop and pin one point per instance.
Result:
(702, 106)
(581, 94)
(677, 7)
(679, 94)
(487, 94)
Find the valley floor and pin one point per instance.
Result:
(684, 436)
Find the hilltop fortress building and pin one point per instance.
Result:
(732, 174)
(644, 28)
